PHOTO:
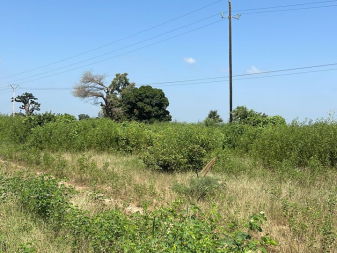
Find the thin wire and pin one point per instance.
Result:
(130, 51)
(285, 6)
(250, 74)
(122, 48)
(287, 10)
(79, 62)
(183, 83)
(119, 40)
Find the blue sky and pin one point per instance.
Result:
(37, 33)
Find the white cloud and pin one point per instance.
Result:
(253, 70)
(190, 60)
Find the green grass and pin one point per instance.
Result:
(299, 205)
(119, 170)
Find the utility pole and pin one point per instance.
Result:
(230, 18)
(230, 62)
(14, 87)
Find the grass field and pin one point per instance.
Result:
(100, 186)
(298, 207)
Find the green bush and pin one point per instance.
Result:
(297, 144)
(172, 146)
(44, 197)
(182, 149)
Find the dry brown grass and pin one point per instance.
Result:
(296, 211)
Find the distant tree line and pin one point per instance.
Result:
(243, 115)
(121, 100)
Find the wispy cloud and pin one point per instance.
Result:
(253, 70)
(190, 60)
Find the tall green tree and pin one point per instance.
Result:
(29, 103)
(145, 104)
(108, 96)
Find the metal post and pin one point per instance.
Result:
(230, 62)
(14, 87)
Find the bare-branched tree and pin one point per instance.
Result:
(108, 96)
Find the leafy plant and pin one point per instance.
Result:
(199, 188)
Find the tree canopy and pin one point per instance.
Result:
(121, 100)
(29, 103)
(146, 104)
(243, 115)
(108, 96)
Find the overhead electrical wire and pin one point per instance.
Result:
(128, 52)
(246, 11)
(288, 10)
(122, 48)
(286, 6)
(119, 40)
(245, 76)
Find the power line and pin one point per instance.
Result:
(288, 10)
(250, 78)
(162, 34)
(246, 76)
(119, 40)
(122, 48)
(128, 52)
(285, 6)
(250, 74)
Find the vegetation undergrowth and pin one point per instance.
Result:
(288, 171)
(174, 229)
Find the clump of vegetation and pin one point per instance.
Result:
(29, 103)
(213, 119)
(199, 188)
(242, 115)
(166, 229)
(44, 197)
(183, 150)
(121, 100)
(83, 116)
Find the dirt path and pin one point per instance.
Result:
(82, 190)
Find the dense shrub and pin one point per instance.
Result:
(173, 146)
(299, 144)
(44, 197)
(183, 148)
(243, 115)
(13, 129)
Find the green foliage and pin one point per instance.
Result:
(145, 104)
(83, 116)
(177, 147)
(44, 197)
(108, 96)
(27, 248)
(172, 229)
(242, 115)
(40, 119)
(199, 188)
(182, 149)
(213, 119)
(297, 144)
(29, 103)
